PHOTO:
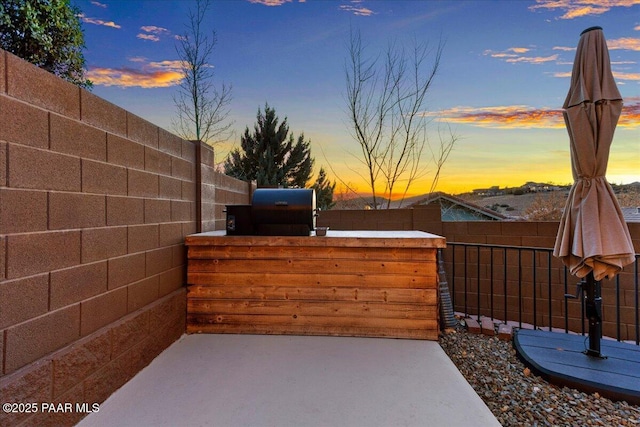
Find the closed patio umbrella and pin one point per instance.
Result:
(593, 240)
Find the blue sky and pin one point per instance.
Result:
(502, 80)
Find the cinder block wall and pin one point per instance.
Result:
(94, 206)
(479, 274)
(425, 218)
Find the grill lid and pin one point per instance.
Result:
(287, 211)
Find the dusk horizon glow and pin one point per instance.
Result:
(503, 76)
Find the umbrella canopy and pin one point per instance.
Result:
(593, 236)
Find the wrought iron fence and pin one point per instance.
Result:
(530, 287)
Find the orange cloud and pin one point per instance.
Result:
(578, 11)
(152, 75)
(626, 76)
(577, 8)
(630, 117)
(95, 21)
(626, 43)
(505, 117)
(525, 117)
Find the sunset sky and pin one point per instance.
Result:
(502, 80)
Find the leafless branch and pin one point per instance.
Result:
(202, 109)
(386, 99)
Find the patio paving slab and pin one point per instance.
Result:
(267, 380)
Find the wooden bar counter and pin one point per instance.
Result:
(347, 283)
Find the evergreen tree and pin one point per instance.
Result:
(324, 191)
(46, 33)
(270, 155)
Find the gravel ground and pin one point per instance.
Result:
(517, 397)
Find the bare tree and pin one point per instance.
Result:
(203, 110)
(386, 103)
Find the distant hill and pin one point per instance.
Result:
(518, 203)
(532, 201)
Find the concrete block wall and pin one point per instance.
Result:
(95, 203)
(519, 281)
(425, 218)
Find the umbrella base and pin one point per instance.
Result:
(559, 358)
(594, 353)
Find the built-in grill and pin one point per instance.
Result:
(239, 220)
(274, 212)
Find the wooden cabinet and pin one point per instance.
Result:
(348, 283)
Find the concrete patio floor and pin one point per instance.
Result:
(267, 380)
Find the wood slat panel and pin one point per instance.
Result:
(312, 279)
(293, 293)
(356, 239)
(384, 287)
(312, 308)
(310, 265)
(328, 321)
(346, 331)
(262, 252)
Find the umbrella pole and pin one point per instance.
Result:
(593, 310)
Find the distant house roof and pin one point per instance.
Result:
(456, 209)
(631, 214)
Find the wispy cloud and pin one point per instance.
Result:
(562, 74)
(630, 117)
(625, 43)
(151, 74)
(359, 11)
(357, 8)
(618, 75)
(270, 2)
(97, 3)
(564, 48)
(505, 117)
(626, 76)
(152, 33)
(526, 117)
(155, 30)
(150, 37)
(572, 9)
(96, 21)
(533, 59)
(514, 55)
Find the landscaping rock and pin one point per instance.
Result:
(518, 397)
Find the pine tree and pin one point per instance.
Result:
(324, 191)
(270, 155)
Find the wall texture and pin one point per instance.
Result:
(520, 269)
(95, 203)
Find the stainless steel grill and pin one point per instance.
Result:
(274, 212)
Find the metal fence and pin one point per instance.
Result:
(529, 286)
